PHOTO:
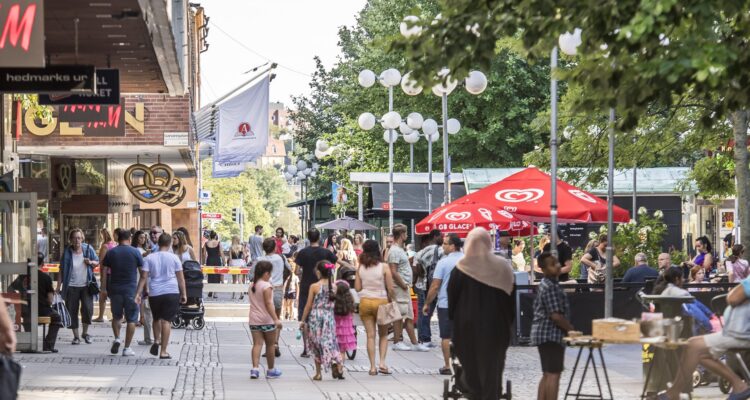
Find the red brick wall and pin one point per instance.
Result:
(162, 113)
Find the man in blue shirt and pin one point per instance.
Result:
(640, 272)
(125, 263)
(707, 349)
(439, 288)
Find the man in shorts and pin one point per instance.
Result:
(439, 288)
(401, 271)
(707, 349)
(124, 261)
(166, 287)
(549, 325)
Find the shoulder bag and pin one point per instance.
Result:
(10, 377)
(93, 286)
(598, 274)
(388, 313)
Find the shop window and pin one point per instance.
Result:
(91, 176)
(147, 218)
(35, 167)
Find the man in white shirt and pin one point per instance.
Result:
(255, 244)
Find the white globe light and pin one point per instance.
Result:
(390, 136)
(366, 78)
(313, 174)
(288, 176)
(569, 42)
(366, 121)
(453, 126)
(409, 27)
(391, 120)
(292, 169)
(476, 82)
(415, 120)
(301, 165)
(316, 166)
(390, 77)
(447, 88)
(405, 129)
(412, 138)
(321, 145)
(434, 137)
(307, 171)
(410, 86)
(320, 154)
(301, 175)
(429, 126)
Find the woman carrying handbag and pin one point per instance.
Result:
(376, 308)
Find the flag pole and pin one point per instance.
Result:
(235, 90)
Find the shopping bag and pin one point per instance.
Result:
(388, 313)
(10, 377)
(58, 304)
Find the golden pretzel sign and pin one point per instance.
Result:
(159, 184)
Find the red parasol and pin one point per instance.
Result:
(526, 195)
(462, 216)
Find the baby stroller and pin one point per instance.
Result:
(192, 312)
(453, 387)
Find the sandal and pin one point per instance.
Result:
(373, 372)
(317, 377)
(167, 357)
(445, 371)
(384, 371)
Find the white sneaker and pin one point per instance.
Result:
(401, 346)
(420, 347)
(126, 352)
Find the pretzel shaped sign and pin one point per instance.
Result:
(158, 184)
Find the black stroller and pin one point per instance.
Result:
(192, 312)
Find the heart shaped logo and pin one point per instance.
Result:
(457, 216)
(519, 195)
(158, 184)
(582, 195)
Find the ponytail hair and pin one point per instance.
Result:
(325, 269)
(260, 269)
(737, 250)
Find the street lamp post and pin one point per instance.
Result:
(301, 173)
(390, 121)
(430, 132)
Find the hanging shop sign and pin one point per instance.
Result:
(87, 120)
(157, 184)
(22, 34)
(107, 91)
(52, 79)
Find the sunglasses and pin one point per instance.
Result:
(155, 233)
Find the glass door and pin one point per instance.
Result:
(18, 256)
(89, 224)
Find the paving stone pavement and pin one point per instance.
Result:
(214, 363)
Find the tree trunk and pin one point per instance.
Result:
(739, 127)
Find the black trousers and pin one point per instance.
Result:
(54, 326)
(78, 298)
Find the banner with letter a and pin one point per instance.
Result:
(243, 125)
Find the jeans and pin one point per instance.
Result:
(423, 321)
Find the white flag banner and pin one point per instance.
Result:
(243, 125)
(227, 170)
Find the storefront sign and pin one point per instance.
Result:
(215, 216)
(205, 196)
(87, 120)
(52, 79)
(176, 139)
(107, 91)
(157, 184)
(22, 33)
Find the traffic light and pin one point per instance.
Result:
(236, 215)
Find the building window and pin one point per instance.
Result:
(147, 218)
(91, 176)
(35, 167)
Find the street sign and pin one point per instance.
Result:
(107, 91)
(52, 79)
(216, 216)
(385, 205)
(176, 139)
(22, 38)
(205, 196)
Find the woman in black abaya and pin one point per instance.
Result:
(481, 304)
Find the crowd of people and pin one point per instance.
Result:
(323, 282)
